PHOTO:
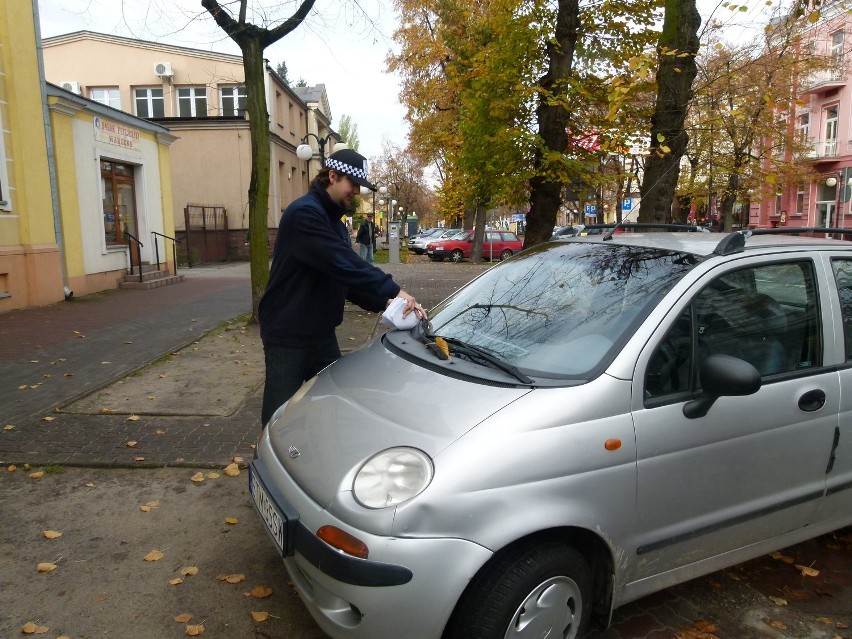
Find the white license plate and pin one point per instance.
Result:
(269, 512)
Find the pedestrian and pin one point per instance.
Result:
(314, 271)
(366, 238)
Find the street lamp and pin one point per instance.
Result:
(305, 151)
(831, 182)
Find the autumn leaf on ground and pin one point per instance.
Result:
(8, 427)
(30, 628)
(154, 555)
(237, 460)
(90, 485)
(231, 520)
(782, 557)
(46, 567)
(807, 571)
(231, 579)
(132, 418)
(177, 581)
(52, 534)
(145, 509)
(778, 601)
(231, 470)
(194, 631)
(189, 571)
(138, 458)
(259, 616)
(131, 444)
(197, 477)
(159, 432)
(37, 475)
(11, 468)
(259, 592)
(212, 475)
(778, 625)
(699, 630)
(48, 418)
(106, 411)
(184, 617)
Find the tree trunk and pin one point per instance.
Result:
(258, 194)
(677, 69)
(546, 190)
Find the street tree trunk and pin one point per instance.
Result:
(252, 41)
(546, 185)
(677, 69)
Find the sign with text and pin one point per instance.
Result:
(110, 132)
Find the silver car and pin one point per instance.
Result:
(621, 413)
(418, 244)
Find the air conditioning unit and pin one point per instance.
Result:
(73, 87)
(164, 69)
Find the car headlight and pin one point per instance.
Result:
(391, 477)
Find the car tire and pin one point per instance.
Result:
(537, 590)
(505, 255)
(457, 255)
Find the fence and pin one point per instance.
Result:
(205, 234)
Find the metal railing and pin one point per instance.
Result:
(130, 239)
(165, 251)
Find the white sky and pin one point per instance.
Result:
(335, 46)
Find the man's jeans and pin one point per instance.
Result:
(288, 367)
(366, 252)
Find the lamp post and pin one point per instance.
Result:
(306, 152)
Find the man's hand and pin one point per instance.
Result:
(411, 305)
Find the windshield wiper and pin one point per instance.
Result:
(479, 353)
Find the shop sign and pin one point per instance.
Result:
(110, 132)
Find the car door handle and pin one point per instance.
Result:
(812, 400)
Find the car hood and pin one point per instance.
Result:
(366, 402)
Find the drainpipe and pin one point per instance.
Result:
(51, 158)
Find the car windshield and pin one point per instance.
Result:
(561, 310)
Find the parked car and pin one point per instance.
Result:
(417, 244)
(496, 245)
(619, 414)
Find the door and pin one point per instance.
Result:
(753, 467)
(119, 203)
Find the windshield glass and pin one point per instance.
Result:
(561, 310)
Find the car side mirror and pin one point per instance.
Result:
(722, 376)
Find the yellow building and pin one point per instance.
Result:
(75, 178)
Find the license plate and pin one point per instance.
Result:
(269, 512)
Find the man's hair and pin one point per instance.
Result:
(321, 179)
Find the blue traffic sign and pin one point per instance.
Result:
(591, 210)
(627, 204)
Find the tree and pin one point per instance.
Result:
(281, 70)
(677, 68)
(349, 132)
(252, 41)
(402, 173)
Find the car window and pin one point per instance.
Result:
(509, 237)
(843, 276)
(561, 310)
(766, 315)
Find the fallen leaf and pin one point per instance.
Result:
(259, 592)
(101, 597)
(778, 601)
(177, 581)
(48, 418)
(194, 631)
(30, 628)
(128, 342)
(152, 397)
(23, 387)
(11, 468)
(212, 475)
(37, 475)
(231, 470)
(782, 557)
(138, 458)
(69, 375)
(807, 571)
(237, 460)
(827, 621)
(197, 477)
(232, 579)
(106, 362)
(184, 617)
(132, 418)
(90, 485)
(231, 520)
(145, 509)
(189, 571)
(778, 625)
(106, 411)
(154, 555)
(259, 616)
(52, 534)
(159, 432)
(46, 567)
(131, 444)
(8, 427)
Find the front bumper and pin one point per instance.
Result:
(407, 588)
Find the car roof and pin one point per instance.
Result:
(704, 244)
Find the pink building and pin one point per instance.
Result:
(823, 116)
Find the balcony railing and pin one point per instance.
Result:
(825, 80)
(823, 149)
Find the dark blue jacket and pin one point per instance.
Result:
(314, 271)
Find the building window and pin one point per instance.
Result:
(837, 55)
(800, 199)
(192, 102)
(149, 103)
(779, 197)
(5, 200)
(233, 100)
(803, 126)
(109, 97)
(831, 131)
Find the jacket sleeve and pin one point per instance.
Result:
(322, 247)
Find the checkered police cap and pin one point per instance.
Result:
(350, 163)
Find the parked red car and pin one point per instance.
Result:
(495, 245)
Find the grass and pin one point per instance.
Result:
(382, 256)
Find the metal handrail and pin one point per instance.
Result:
(157, 248)
(139, 246)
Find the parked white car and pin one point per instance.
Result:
(619, 413)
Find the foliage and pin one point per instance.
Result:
(281, 70)
(402, 173)
(349, 132)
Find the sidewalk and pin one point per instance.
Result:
(78, 381)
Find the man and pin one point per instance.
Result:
(366, 238)
(314, 271)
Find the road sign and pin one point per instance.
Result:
(627, 204)
(591, 210)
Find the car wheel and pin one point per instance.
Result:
(505, 255)
(457, 255)
(539, 590)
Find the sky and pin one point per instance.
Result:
(341, 44)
